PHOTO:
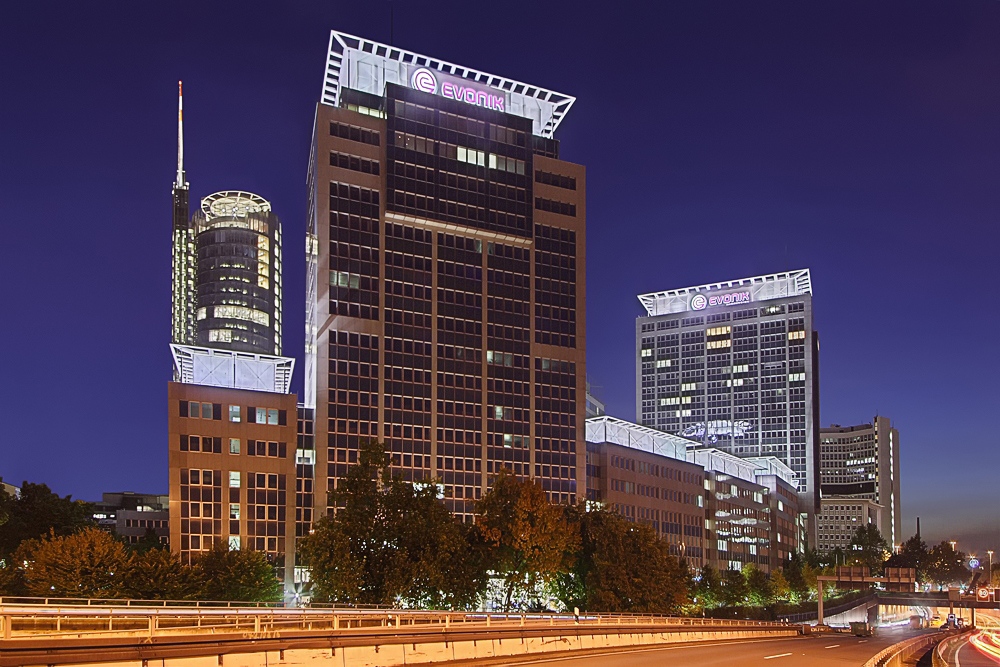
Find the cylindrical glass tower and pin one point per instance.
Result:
(238, 243)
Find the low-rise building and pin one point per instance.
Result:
(232, 455)
(738, 516)
(644, 475)
(132, 516)
(10, 489)
(840, 519)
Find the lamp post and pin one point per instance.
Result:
(990, 576)
(952, 543)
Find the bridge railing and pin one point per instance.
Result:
(53, 622)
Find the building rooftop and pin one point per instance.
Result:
(627, 434)
(772, 465)
(757, 288)
(366, 65)
(232, 370)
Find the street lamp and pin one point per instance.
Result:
(952, 543)
(990, 576)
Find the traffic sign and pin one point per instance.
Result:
(983, 594)
(974, 563)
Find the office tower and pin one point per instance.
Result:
(237, 240)
(862, 463)
(446, 275)
(734, 366)
(182, 250)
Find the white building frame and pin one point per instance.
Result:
(232, 370)
(762, 288)
(341, 42)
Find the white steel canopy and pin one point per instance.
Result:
(365, 65)
(757, 288)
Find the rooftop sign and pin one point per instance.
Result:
(361, 64)
(730, 293)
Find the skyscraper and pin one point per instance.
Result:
(734, 365)
(862, 463)
(446, 275)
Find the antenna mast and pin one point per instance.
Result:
(181, 183)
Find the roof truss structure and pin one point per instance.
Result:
(341, 41)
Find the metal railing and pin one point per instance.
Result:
(85, 621)
(900, 652)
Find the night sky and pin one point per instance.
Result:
(722, 140)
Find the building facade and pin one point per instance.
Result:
(734, 366)
(840, 518)
(644, 475)
(232, 465)
(445, 276)
(133, 516)
(862, 463)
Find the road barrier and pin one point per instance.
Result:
(900, 652)
(80, 634)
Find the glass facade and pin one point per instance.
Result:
(237, 243)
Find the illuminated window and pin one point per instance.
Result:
(234, 414)
(234, 445)
(234, 479)
(663, 363)
(234, 542)
(220, 336)
(646, 353)
(234, 511)
(272, 417)
(261, 416)
(202, 314)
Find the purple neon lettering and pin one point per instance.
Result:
(469, 95)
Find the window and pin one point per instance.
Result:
(234, 479)
(234, 542)
(553, 206)
(272, 417)
(234, 445)
(234, 414)
(261, 416)
(234, 511)
(558, 180)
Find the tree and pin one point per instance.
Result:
(709, 587)
(624, 567)
(528, 538)
(795, 574)
(87, 564)
(237, 575)
(150, 541)
(869, 549)
(390, 542)
(157, 574)
(945, 566)
(779, 585)
(759, 590)
(734, 588)
(913, 553)
(37, 513)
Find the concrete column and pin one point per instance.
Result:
(819, 606)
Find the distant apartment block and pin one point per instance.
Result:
(862, 463)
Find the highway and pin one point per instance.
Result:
(828, 650)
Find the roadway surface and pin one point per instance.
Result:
(826, 650)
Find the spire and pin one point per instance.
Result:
(181, 184)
